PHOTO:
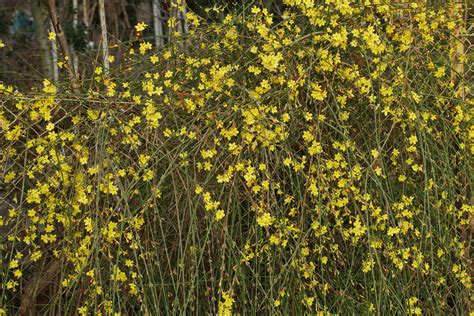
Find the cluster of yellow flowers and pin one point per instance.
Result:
(315, 161)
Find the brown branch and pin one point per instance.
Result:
(38, 282)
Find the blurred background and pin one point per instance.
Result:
(25, 25)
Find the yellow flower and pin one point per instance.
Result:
(256, 10)
(371, 308)
(140, 26)
(88, 224)
(375, 153)
(154, 59)
(17, 273)
(271, 61)
(440, 72)
(219, 215)
(118, 275)
(192, 18)
(368, 265)
(318, 93)
(148, 175)
(98, 70)
(413, 139)
(9, 177)
(52, 36)
(225, 306)
(144, 47)
(315, 148)
(35, 256)
(265, 220)
(198, 189)
(13, 264)
(33, 196)
(49, 87)
(393, 231)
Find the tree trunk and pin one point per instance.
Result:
(184, 23)
(75, 22)
(157, 24)
(143, 11)
(61, 37)
(41, 21)
(105, 44)
(54, 54)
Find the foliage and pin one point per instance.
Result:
(320, 163)
(77, 36)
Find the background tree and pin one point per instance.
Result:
(41, 19)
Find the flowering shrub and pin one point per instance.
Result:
(317, 161)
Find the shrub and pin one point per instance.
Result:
(318, 161)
